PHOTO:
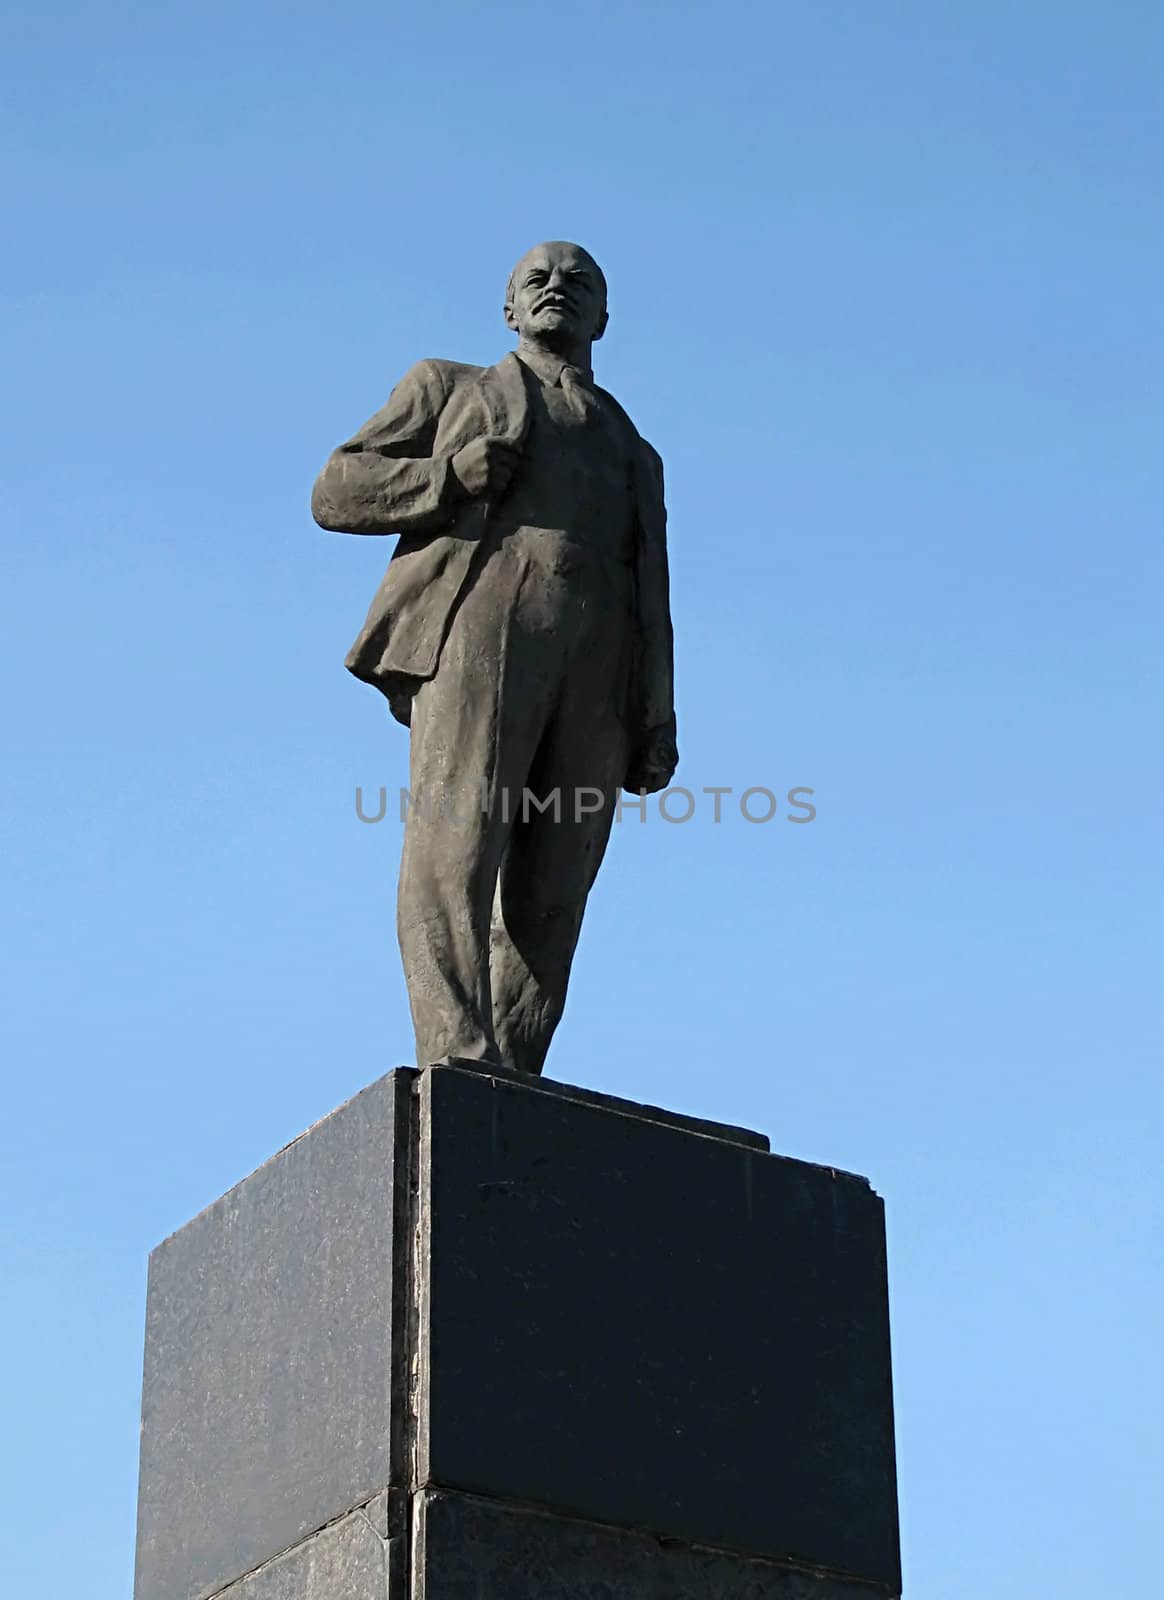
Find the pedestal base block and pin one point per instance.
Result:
(348, 1561)
(468, 1549)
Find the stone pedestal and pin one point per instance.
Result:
(479, 1337)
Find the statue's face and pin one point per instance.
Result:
(557, 295)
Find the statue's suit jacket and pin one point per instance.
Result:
(395, 476)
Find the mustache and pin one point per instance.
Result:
(556, 301)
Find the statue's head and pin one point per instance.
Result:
(557, 295)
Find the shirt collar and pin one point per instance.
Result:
(547, 366)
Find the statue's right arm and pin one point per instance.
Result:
(386, 479)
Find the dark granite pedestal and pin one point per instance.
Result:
(476, 1337)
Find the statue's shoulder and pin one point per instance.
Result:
(651, 455)
(644, 445)
(447, 373)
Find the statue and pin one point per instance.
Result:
(523, 632)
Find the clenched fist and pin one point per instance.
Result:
(485, 466)
(653, 765)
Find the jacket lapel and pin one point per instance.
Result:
(502, 389)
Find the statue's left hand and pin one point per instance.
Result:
(653, 765)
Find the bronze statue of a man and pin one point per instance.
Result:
(523, 630)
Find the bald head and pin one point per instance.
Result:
(556, 298)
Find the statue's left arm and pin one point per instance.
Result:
(654, 755)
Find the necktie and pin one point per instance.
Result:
(576, 388)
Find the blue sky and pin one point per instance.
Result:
(885, 292)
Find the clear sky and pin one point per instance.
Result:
(886, 294)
